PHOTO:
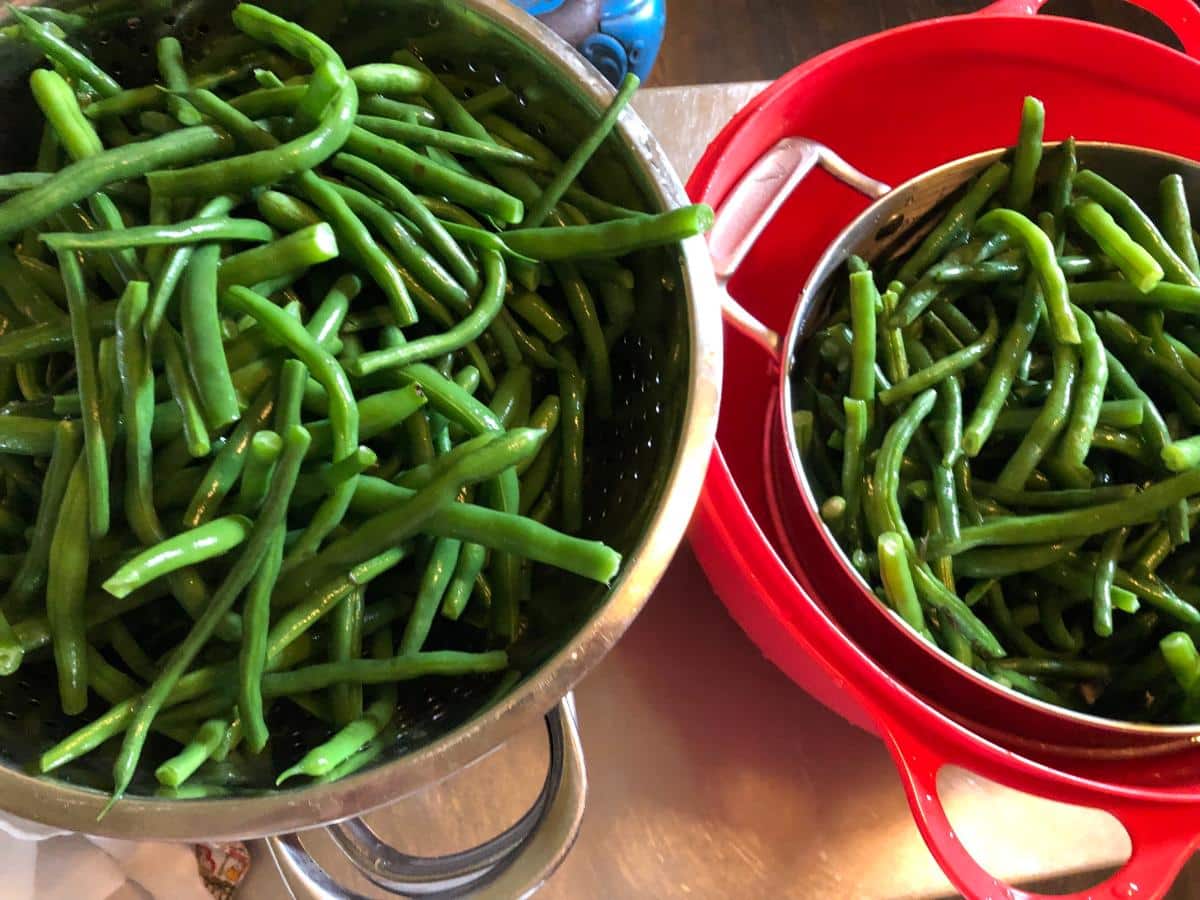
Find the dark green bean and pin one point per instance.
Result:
(1145, 507)
(72, 61)
(958, 219)
(1008, 359)
(1138, 224)
(1177, 221)
(1028, 154)
(1040, 251)
(66, 591)
(81, 179)
(94, 443)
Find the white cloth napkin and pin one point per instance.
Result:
(39, 863)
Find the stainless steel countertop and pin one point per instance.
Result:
(712, 775)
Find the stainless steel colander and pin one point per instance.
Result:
(645, 468)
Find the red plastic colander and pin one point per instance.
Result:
(896, 105)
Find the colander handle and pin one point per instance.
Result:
(513, 864)
(1181, 16)
(1164, 834)
(753, 202)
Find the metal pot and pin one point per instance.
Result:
(641, 494)
(896, 221)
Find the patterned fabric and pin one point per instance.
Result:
(223, 867)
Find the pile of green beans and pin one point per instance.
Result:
(267, 338)
(1002, 429)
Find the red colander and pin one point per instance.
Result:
(897, 105)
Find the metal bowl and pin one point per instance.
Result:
(892, 225)
(646, 465)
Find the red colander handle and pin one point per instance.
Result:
(1163, 834)
(1181, 16)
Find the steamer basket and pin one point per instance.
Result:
(639, 493)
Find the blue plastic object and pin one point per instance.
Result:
(617, 36)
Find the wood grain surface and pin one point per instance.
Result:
(748, 40)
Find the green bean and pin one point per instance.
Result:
(958, 219)
(130, 652)
(944, 368)
(1145, 507)
(434, 584)
(1102, 583)
(228, 461)
(179, 768)
(66, 587)
(393, 109)
(412, 133)
(240, 574)
(423, 173)
(424, 269)
(72, 61)
(1086, 406)
(1004, 271)
(1061, 189)
(1056, 668)
(189, 231)
(1154, 431)
(1177, 221)
(857, 424)
(1175, 297)
(346, 700)
(31, 574)
(471, 560)
(94, 443)
(1179, 456)
(1000, 380)
(202, 337)
(997, 563)
(1028, 154)
(1114, 413)
(887, 463)
(265, 167)
(378, 414)
(1182, 659)
(195, 431)
(375, 671)
(176, 265)
(206, 541)
(898, 582)
(1041, 255)
(1071, 497)
(486, 308)
(325, 758)
(169, 54)
(1138, 224)
(613, 238)
(332, 475)
(1134, 261)
(81, 179)
(26, 436)
(584, 150)
(863, 298)
(390, 528)
(957, 614)
(408, 205)
(261, 457)
(293, 253)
